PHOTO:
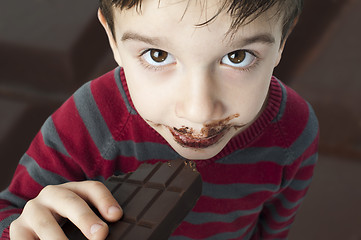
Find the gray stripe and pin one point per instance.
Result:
(146, 150)
(5, 223)
(283, 103)
(308, 135)
(93, 119)
(256, 155)
(131, 110)
(256, 229)
(221, 236)
(15, 200)
(229, 235)
(235, 191)
(300, 185)
(40, 175)
(251, 233)
(287, 204)
(310, 161)
(103, 139)
(179, 238)
(201, 218)
(276, 217)
(7, 208)
(277, 154)
(51, 137)
(272, 231)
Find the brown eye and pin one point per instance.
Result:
(158, 55)
(237, 56)
(239, 59)
(157, 58)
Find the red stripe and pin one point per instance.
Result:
(205, 230)
(142, 133)
(272, 223)
(77, 139)
(271, 132)
(304, 173)
(8, 213)
(294, 195)
(110, 103)
(5, 234)
(281, 235)
(68, 168)
(295, 117)
(224, 206)
(281, 210)
(26, 191)
(116, 115)
(255, 173)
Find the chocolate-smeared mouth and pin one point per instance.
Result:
(185, 137)
(210, 134)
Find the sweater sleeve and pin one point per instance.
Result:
(43, 164)
(301, 150)
(69, 147)
(279, 213)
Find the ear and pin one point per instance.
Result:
(111, 38)
(280, 51)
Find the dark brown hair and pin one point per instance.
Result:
(242, 11)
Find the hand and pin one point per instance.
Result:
(42, 215)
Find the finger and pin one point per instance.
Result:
(36, 222)
(19, 232)
(43, 222)
(68, 204)
(99, 196)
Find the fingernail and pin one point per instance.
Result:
(113, 210)
(95, 228)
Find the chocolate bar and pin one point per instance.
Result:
(155, 199)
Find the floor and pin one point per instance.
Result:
(332, 209)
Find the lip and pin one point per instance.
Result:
(186, 139)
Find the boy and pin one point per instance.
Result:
(195, 81)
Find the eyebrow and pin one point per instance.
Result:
(265, 38)
(137, 37)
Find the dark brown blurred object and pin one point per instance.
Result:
(306, 40)
(330, 80)
(47, 50)
(49, 45)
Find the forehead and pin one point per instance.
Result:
(194, 16)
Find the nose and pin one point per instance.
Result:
(199, 99)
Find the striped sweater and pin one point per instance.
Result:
(251, 189)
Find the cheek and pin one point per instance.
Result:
(248, 101)
(149, 100)
(250, 110)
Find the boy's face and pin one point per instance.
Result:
(196, 86)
